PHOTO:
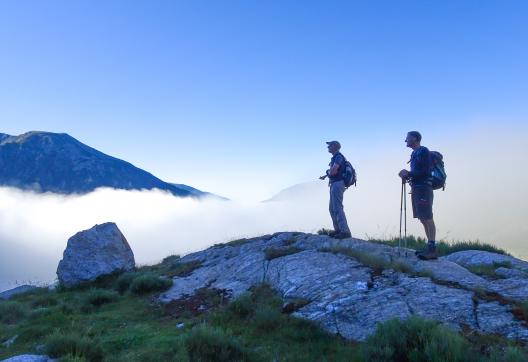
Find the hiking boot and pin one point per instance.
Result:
(342, 236)
(332, 233)
(429, 253)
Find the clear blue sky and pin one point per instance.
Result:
(237, 97)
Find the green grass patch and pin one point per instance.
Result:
(12, 311)
(98, 297)
(274, 253)
(182, 269)
(131, 328)
(236, 242)
(488, 270)
(416, 340)
(149, 283)
(442, 247)
(324, 231)
(206, 343)
(73, 346)
(377, 263)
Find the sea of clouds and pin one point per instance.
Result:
(485, 200)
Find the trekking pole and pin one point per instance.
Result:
(401, 214)
(405, 208)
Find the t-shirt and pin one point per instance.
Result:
(420, 173)
(338, 159)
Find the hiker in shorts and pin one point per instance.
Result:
(337, 190)
(419, 178)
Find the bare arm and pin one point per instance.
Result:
(333, 170)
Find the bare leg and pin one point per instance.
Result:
(430, 229)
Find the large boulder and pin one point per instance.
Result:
(92, 253)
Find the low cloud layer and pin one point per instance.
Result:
(485, 199)
(34, 228)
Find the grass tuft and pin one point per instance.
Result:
(73, 346)
(179, 269)
(377, 263)
(324, 231)
(98, 297)
(442, 247)
(274, 253)
(488, 270)
(207, 343)
(149, 283)
(415, 340)
(12, 312)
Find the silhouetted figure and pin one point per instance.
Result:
(337, 190)
(421, 191)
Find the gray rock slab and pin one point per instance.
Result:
(348, 298)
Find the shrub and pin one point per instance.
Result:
(12, 312)
(510, 354)
(179, 269)
(171, 259)
(214, 344)
(242, 307)
(149, 283)
(324, 231)
(33, 332)
(70, 358)
(98, 297)
(273, 253)
(123, 282)
(415, 339)
(73, 346)
(45, 300)
(267, 319)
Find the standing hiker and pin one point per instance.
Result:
(336, 176)
(421, 191)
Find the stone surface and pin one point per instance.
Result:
(98, 251)
(514, 272)
(29, 358)
(477, 257)
(16, 291)
(349, 298)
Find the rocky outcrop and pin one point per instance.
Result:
(92, 253)
(349, 286)
(21, 289)
(510, 275)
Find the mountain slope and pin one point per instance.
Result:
(57, 162)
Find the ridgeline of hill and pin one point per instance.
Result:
(58, 163)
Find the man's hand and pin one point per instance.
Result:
(404, 174)
(322, 177)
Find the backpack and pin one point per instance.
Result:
(349, 174)
(438, 174)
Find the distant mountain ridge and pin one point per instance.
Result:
(57, 162)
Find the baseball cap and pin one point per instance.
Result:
(336, 143)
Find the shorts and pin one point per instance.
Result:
(422, 202)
